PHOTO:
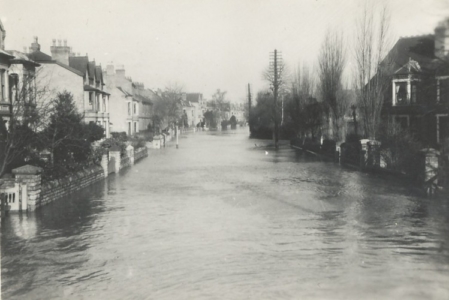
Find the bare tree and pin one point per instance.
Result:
(219, 104)
(168, 109)
(302, 91)
(29, 114)
(331, 63)
(373, 73)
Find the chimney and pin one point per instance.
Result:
(60, 53)
(2, 36)
(120, 71)
(35, 45)
(110, 69)
(442, 39)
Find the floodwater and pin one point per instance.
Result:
(225, 217)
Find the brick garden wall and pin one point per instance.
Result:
(140, 153)
(59, 188)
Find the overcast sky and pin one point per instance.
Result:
(202, 44)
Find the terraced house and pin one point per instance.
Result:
(418, 98)
(64, 70)
(5, 57)
(130, 102)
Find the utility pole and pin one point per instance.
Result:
(274, 68)
(249, 106)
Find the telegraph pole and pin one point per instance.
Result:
(274, 67)
(249, 106)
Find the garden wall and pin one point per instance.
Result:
(59, 188)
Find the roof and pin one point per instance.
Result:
(79, 63)
(124, 92)
(93, 89)
(418, 49)
(39, 56)
(21, 58)
(99, 73)
(194, 97)
(4, 53)
(91, 68)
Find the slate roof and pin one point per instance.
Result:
(91, 68)
(124, 92)
(419, 49)
(22, 58)
(193, 97)
(79, 63)
(39, 56)
(99, 74)
(4, 53)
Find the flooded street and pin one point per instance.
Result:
(224, 217)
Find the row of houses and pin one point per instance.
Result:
(103, 95)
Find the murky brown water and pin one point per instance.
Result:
(222, 219)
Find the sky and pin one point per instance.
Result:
(202, 45)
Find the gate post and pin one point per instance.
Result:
(115, 153)
(23, 197)
(104, 165)
(30, 175)
(130, 151)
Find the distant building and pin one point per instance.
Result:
(130, 103)
(198, 107)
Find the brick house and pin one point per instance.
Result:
(418, 98)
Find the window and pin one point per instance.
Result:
(135, 127)
(442, 128)
(97, 103)
(129, 108)
(444, 90)
(129, 128)
(135, 108)
(104, 103)
(2, 85)
(438, 90)
(401, 93)
(413, 96)
(91, 99)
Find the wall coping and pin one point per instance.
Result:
(27, 170)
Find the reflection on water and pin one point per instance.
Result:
(224, 217)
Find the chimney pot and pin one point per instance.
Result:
(59, 42)
(65, 43)
(35, 39)
(54, 42)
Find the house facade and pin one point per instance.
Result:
(130, 102)
(418, 98)
(65, 71)
(198, 107)
(5, 62)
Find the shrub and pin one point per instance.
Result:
(399, 148)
